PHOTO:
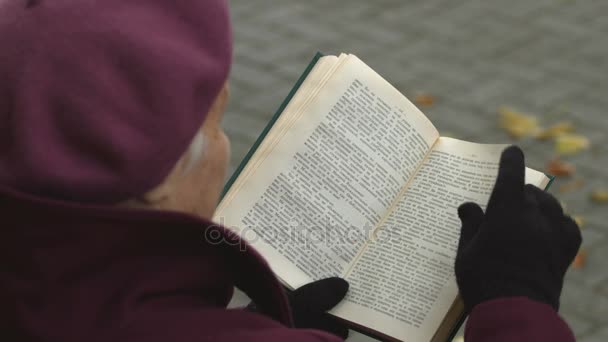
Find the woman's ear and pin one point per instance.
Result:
(216, 112)
(156, 198)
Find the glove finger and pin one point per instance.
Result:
(509, 187)
(471, 215)
(547, 204)
(319, 296)
(571, 237)
(327, 323)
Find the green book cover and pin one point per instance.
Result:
(551, 180)
(263, 135)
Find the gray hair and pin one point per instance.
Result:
(196, 151)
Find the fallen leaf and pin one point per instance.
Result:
(556, 130)
(580, 221)
(571, 186)
(557, 167)
(580, 260)
(424, 99)
(600, 196)
(517, 124)
(571, 144)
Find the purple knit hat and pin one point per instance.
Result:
(100, 98)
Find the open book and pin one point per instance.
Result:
(350, 179)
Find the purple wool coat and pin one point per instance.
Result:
(91, 273)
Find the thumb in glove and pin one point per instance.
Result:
(310, 303)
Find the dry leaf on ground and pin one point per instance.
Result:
(517, 124)
(571, 144)
(556, 130)
(424, 99)
(571, 186)
(600, 196)
(557, 167)
(580, 260)
(580, 221)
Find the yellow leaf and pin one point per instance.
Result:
(580, 221)
(600, 196)
(517, 124)
(555, 131)
(571, 144)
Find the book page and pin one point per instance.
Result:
(314, 81)
(310, 206)
(403, 283)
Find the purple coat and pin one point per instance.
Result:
(91, 273)
(516, 319)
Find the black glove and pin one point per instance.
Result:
(310, 303)
(521, 246)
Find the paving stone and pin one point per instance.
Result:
(599, 335)
(580, 326)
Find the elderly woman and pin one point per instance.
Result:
(112, 159)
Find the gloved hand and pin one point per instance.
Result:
(310, 303)
(521, 246)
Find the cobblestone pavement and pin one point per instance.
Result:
(548, 57)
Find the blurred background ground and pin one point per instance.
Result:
(544, 57)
